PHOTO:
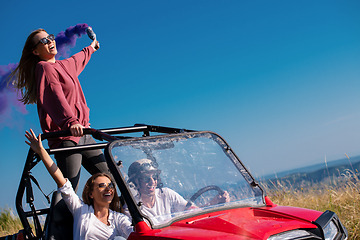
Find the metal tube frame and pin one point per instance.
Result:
(107, 135)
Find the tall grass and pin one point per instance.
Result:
(9, 223)
(339, 194)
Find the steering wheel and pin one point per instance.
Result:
(201, 191)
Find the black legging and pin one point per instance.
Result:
(70, 163)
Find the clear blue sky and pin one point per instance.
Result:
(279, 80)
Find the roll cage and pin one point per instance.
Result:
(104, 137)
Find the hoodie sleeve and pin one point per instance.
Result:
(79, 60)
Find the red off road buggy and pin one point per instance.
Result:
(197, 165)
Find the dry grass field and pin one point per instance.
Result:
(340, 194)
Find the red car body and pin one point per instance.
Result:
(244, 223)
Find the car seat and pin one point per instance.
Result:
(59, 222)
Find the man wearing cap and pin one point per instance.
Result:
(158, 201)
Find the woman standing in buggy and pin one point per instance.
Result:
(54, 86)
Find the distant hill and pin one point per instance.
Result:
(318, 172)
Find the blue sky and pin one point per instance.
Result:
(279, 80)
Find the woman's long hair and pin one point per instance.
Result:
(24, 73)
(89, 187)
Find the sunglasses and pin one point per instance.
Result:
(46, 40)
(147, 179)
(102, 186)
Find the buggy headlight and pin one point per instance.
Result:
(328, 225)
(331, 226)
(295, 234)
(330, 231)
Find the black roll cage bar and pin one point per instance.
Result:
(107, 135)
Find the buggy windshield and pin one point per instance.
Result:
(175, 176)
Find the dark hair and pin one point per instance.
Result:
(89, 187)
(24, 73)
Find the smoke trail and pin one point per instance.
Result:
(9, 100)
(4, 89)
(9, 104)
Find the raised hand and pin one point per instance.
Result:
(34, 142)
(36, 145)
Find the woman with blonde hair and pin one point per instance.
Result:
(54, 86)
(97, 216)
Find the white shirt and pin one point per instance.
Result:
(167, 202)
(86, 224)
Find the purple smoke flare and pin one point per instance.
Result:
(66, 40)
(9, 96)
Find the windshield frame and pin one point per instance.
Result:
(132, 205)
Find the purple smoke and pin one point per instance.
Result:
(66, 40)
(9, 99)
(9, 96)
(6, 91)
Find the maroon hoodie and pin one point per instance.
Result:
(61, 102)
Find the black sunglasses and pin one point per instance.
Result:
(105, 185)
(46, 40)
(147, 179)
